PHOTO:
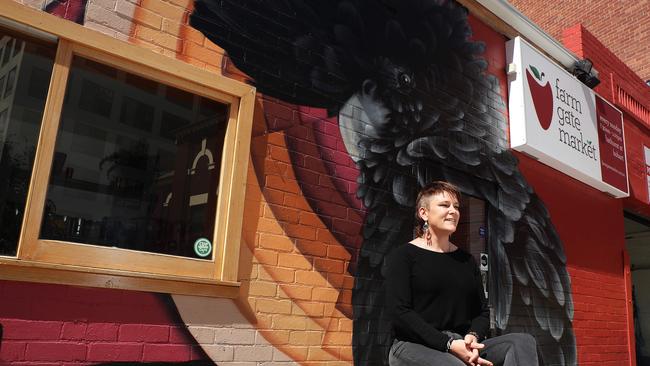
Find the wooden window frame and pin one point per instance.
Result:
(52, 261)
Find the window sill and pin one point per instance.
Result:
(30, 271)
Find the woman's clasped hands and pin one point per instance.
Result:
(467, 350)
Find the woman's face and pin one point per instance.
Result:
(443, 213)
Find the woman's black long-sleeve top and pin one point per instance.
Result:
(429, 292)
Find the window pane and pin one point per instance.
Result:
(136, 164)
(25, 70)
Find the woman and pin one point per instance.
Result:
(435, 296)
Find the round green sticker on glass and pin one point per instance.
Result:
(202, 247)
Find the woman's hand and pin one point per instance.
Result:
(471, 342)
(483, 362)
(467, 350)
(459, 349)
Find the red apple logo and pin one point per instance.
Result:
(542, 97)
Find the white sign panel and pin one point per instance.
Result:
(562, 123)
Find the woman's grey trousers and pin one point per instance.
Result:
(514, 349)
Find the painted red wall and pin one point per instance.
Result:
(48, 324)
(590, 224)
(621, 25)
(615, 74)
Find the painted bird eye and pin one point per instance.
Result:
(404, 79)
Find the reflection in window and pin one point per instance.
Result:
(96, 98)
(132, 173)
(11, 80)
(7, 49)
(137, 114)
(37, 78)
(22, 99)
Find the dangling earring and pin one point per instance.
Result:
(427, 234)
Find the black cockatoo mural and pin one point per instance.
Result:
(415, 104)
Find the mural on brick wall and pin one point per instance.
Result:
(414, 104)
(73, 10)
(362, 102)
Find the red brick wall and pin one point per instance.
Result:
(590, 224)
(622, 26)
(49, 324)
(614, 75)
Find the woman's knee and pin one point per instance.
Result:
(523, 340)
(413, 354)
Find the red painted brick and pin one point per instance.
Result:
(316, 112)
(315, 164)
(55, 351)
(279, 153)
(179, 335)
(328, 265)
(350, 174)
(144, 333)
(333, 209)
(310, 219)
(332, 128)
(279, 111)
(12, 351)
(300, 232)
(312, 248)
(102, 332)
(617, 24)
(327, 141)
(166, 352)
(281, 213)
(73, 331)
(198, 353)
(307, 175)
(347, 227)
(115, 352)
(32, 330)
(327, 154)
(343, 158)
(337, 252)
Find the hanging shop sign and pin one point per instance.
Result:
(562, 123)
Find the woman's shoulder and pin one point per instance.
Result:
(460, 252)
(463, 256)
(403, 251)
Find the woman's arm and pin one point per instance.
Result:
(480, 325)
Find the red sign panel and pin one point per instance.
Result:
(612, 146)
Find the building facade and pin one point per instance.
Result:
(620, 26)
(219, 183)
